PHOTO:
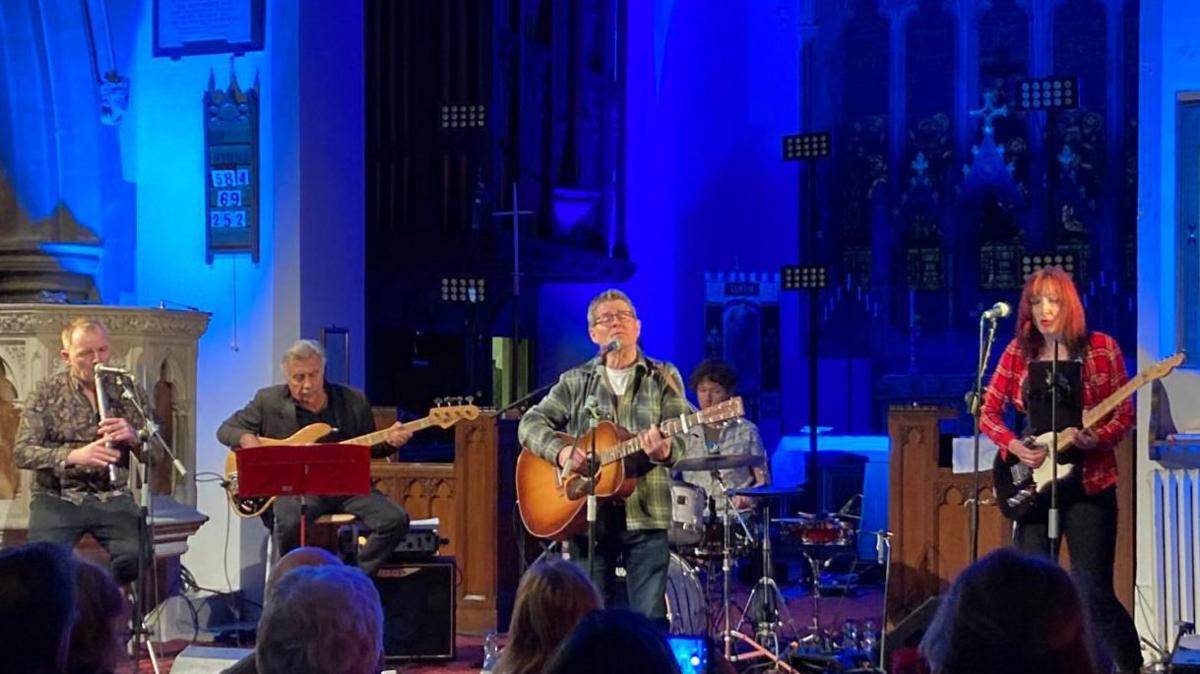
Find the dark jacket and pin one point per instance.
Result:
(272, 414)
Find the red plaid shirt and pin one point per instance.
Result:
(1103, 373)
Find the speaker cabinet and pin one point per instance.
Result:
(418, 609)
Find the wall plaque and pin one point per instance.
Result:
(231, 169)
(187, 27)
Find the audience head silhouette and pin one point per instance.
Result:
(298, 558)
(1009, 612)
(614, 642)
(101, 622)
(37, 604)
(553, 596)
(321, 620)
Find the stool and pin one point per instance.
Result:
(343, 541)
(345, 538)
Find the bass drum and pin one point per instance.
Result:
(686, 609)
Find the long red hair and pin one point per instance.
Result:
(1051, 281)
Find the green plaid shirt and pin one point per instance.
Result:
(648, 400)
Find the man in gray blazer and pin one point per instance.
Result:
(281, 410)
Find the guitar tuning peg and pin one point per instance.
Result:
(437, 402)
(470, 400)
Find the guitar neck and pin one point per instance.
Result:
(1093, 416)
(668, 428)
(371, 439)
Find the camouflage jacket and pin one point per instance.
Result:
(58, 417)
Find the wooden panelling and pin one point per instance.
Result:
(928, 515)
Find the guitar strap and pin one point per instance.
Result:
(661, 368)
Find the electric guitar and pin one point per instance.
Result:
(1018, 486)
(442, 417)
(554, 508)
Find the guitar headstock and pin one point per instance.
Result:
(1163, 367)
(446, 415)
(722, 411)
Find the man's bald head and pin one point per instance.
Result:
(306, 556)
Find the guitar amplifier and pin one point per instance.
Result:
(418, 609)
(417, 544)
(421, 541)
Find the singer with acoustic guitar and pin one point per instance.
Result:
(79, 459)
(1050, 317)
(636, 393)
(279, 411)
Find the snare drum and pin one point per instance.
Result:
(688, 502)
(826, 531)
(685, 598)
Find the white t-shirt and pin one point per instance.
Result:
(619, 379)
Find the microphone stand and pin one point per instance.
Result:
(590, 480)
(149, 432)
(592, 506)
(520, 402)
(1052, 516)
(975, 404)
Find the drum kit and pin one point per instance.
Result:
(705, 538)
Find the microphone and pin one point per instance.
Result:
(613, 345)
(100, 368)
(998, 310)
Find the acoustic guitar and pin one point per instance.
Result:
(553, 508)
(441, 417)
(1018, 486)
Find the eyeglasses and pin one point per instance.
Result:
(613, 318)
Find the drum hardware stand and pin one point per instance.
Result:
(815, 627)
(766, 629)
(728, 632)
(758, 650)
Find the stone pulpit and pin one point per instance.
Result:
(159, 347)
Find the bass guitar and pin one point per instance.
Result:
(441, 417)
(553, 508)
(1018, 486)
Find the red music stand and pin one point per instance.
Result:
(304, 470)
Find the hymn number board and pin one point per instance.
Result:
(231, 170)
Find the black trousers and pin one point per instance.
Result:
(645, 554)
(387, 522)
(1089, 524)
(114, 523)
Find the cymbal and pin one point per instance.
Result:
(718, 462)
(768, 492)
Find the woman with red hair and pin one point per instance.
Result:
(1051, 325)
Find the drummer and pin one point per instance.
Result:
(715, 382)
